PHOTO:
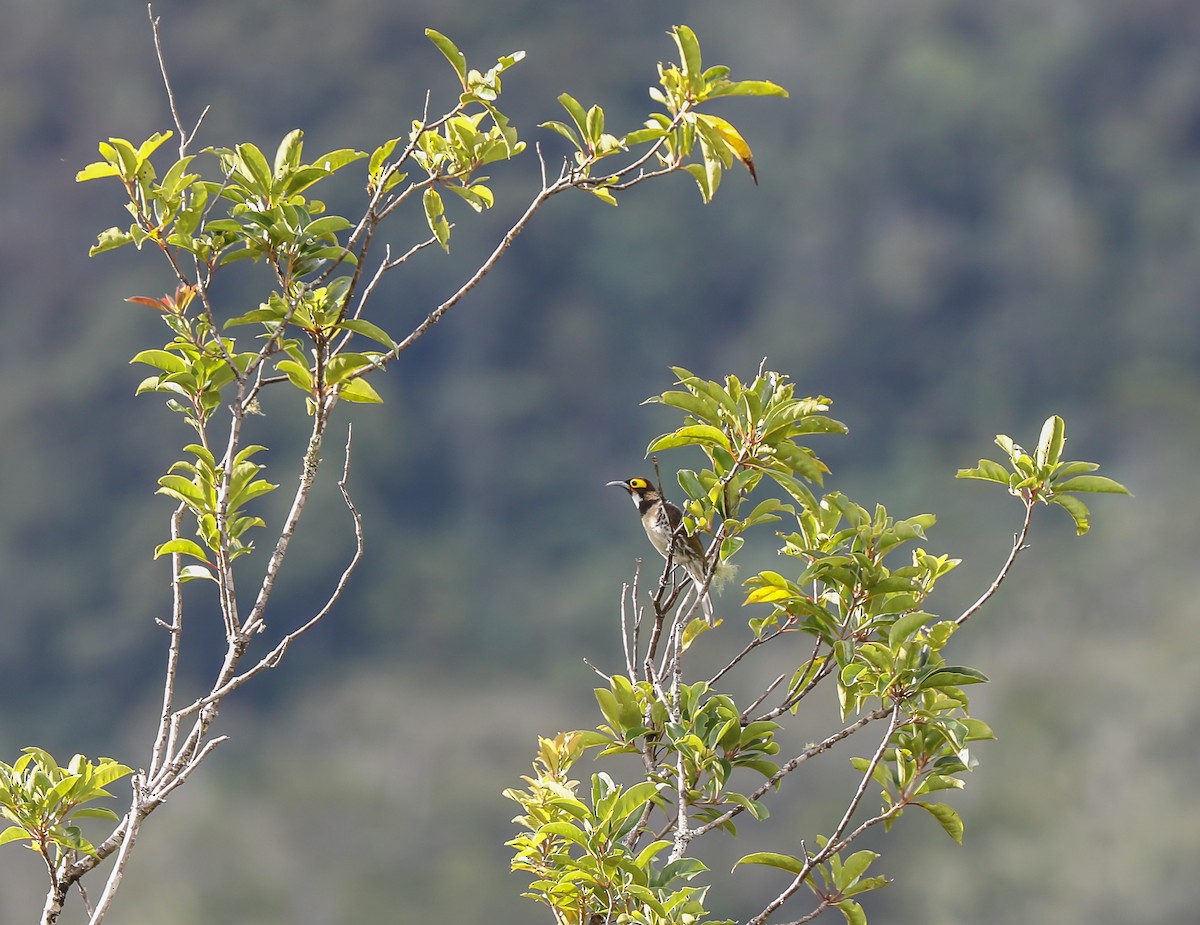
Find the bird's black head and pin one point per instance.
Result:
(639, 489)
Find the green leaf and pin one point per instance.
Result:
(359, 390)
(435, 215)
(257, 167)
(181, 546)
(13, 833)
(119, 152)
(603, 194)
(977, 729)
(648, 853)
(854, 867)
(181, 489)
(175, 178)
(575, 111)
(707, 177)
(151, 144)
(642, 135)
(334, 161)
(192, 572)
(299, 374)
(380, 155)
(96, 170)
(161, 359)
(1076, 467)
(563, 129)
(105, 771)
(853, 912)
(95, 812)
(326, 227)
(1077, 509)
(1050, 443)
(564, 830)
(109, 239)
(456, 58)
(988, 470)
(757, 809)
(367, 329)
(345, 365)
(1092, 483)
(478, 197)
(951, 676)
(698, 406)
(689, 51)
(731, 137)
(746, 88)
(946, 817)
(690, 435)
(906, 627)
(771, 859)
(595, 124)
(632, 800)
(287, 155)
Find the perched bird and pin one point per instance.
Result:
(661, 520)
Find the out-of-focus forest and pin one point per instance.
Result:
(969, 216)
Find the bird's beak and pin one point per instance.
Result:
(620, 483)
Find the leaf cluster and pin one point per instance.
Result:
(679, 137)
(213, 507)
(856, 592)
(578, 851)
(44, 801)
(1045, 476)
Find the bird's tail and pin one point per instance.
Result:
(722, 575)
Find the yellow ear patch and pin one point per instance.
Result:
(638, 483)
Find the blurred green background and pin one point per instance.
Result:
(969, 216)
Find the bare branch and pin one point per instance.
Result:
(629, 593)
(822, 746)
(822, 673)
(273, 658)
(161, 740)
(753, 644)
(505, 243)
(115, 876)
(308, 474)
(185, 137)
(835, 844)
(181, 777)
(763, 696)
(1018, 547)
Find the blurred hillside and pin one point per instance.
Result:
(969, 216)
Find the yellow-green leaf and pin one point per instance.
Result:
(456, 58)
(359, 390)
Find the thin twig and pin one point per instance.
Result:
(834, 844)
(118, 871)
(273, 658)
(85, 898)
(185, 137)
(820, 907)
(823, 746)
(1018, 547)
(181, 777)
(308, 474)
(761, 697)
(162, 739)
(753, 644)
(625, 633)
(822, 673)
